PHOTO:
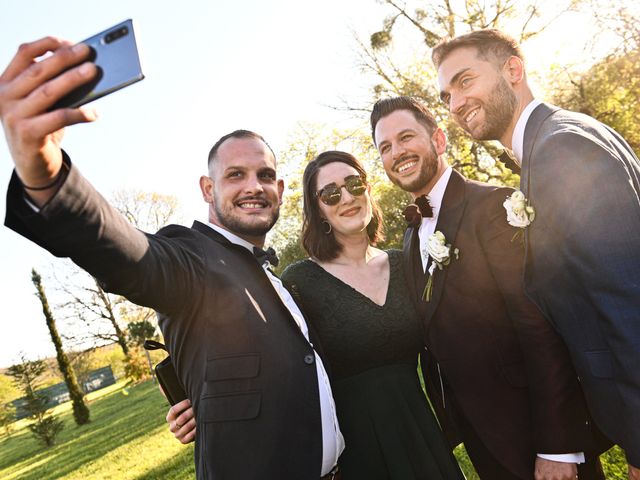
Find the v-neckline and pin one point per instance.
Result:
(358, 292)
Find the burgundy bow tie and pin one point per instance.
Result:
(415, 211)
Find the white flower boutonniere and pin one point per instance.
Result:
(440, 252)
(519, 213)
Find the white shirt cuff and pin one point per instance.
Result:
(577, 457)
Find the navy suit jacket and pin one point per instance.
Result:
(583, 258)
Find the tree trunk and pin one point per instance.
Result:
(122, 339)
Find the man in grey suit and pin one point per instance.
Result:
(583, 246)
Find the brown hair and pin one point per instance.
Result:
(235, 134)
(315, 241)
(490, 44)
(386, 106)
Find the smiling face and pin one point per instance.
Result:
(242, 189)
(411, 155)
(479, 96)
(351, 215)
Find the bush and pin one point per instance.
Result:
(47, 429)
(27, 374)
(7, 417)
(136, 367)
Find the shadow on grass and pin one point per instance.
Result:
(172, 470)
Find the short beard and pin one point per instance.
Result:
(499, 110)
(234, 225)
(428, 170)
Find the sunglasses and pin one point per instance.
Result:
(332, 193)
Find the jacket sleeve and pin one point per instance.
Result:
(151, 270)
(587, 190)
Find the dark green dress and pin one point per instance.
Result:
(371, 350)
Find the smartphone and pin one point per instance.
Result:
(115, 53)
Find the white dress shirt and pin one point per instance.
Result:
(332, 440)
(517, 139)
(428, 227)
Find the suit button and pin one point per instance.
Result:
(309, 359)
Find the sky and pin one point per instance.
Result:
(211, 67)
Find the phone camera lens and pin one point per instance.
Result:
(116, 34)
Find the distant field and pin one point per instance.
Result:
(128, 440)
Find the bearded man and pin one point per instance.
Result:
(582, 181)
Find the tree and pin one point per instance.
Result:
(610, 89)
(423, 24)
(26, 375)
(140, 331)
(80, 410)
(96, 309)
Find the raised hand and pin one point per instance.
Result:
(29, 86)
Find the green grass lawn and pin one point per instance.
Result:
(128, 439)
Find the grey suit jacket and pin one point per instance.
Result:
(583, 258)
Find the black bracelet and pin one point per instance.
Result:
(49, 185)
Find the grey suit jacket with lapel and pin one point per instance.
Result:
(583, 257)
(247, 369)
(503, 366)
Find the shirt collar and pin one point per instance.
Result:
(517, 140)
(232, 237)
(437, 192)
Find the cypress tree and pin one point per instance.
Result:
(80, 409)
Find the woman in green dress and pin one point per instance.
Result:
(354, 296)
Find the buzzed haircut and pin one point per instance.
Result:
(386, 106)
(491, 45)
(235, 134)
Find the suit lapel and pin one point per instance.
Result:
(250, 264)
(410, 252)
(531, 133)
(449, 218)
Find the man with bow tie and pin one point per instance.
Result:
(498, 375)
(239, 343)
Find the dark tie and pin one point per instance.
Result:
(415, 211)
(509, 162)
(268, 255)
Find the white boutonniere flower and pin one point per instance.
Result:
(519, 213)
(440, 252)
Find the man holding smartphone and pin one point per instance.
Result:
(240, 345)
